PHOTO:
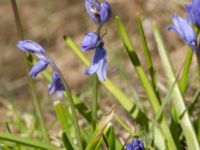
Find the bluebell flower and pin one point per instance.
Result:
(39, 51)
(38, 67)
(90, 41)
(99, 64)
(100, 13)
(105, 12)
(136, 144)
(194, 12)
(32, 47)
(185, 31)
(56, 85)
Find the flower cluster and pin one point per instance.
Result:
(34, 48)
(183, 26)
(136, 144)
(100, 14)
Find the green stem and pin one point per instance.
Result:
(27, 58)
(71, 104)
(95, 99)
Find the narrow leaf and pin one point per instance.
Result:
(66, 142)
(27, 142)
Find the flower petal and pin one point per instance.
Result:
(93, 8)
(56, 85)
(184, 29)
(37, 68)
(99, 64)
(90, 41)
(30, 46)
(105, 12)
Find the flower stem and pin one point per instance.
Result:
(95, 99)
(28, 62)
(71, 103)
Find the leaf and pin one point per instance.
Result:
(27, 142)
(110, 138)
(66, 142)
(100, 130)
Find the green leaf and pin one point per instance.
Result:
(27, 142)
(97, 135)
(184, 78)
(66, 142)
(62, 115)
(148, 56)
(110, 138)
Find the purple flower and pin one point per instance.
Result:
(194, 12)
(56, 85)
(105, 12)
(38, 67)
(90, 41)
(185, 31)
(39, 51)
(136, 144)
(99, 64)
(100, 13)
(32, 47)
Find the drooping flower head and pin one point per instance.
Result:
(99, 13)
(194, 12)
(185, 31)
(136, 144)
(32, 47)
(99, 64)
(56, 85)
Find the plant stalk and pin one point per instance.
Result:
(71, 103)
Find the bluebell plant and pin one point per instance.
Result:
(136, 144)
(100, 14)
(34, 48)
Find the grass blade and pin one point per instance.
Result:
(98, 133)
(66, 141)
(186, 67)
(147, 55)
(27, 142)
